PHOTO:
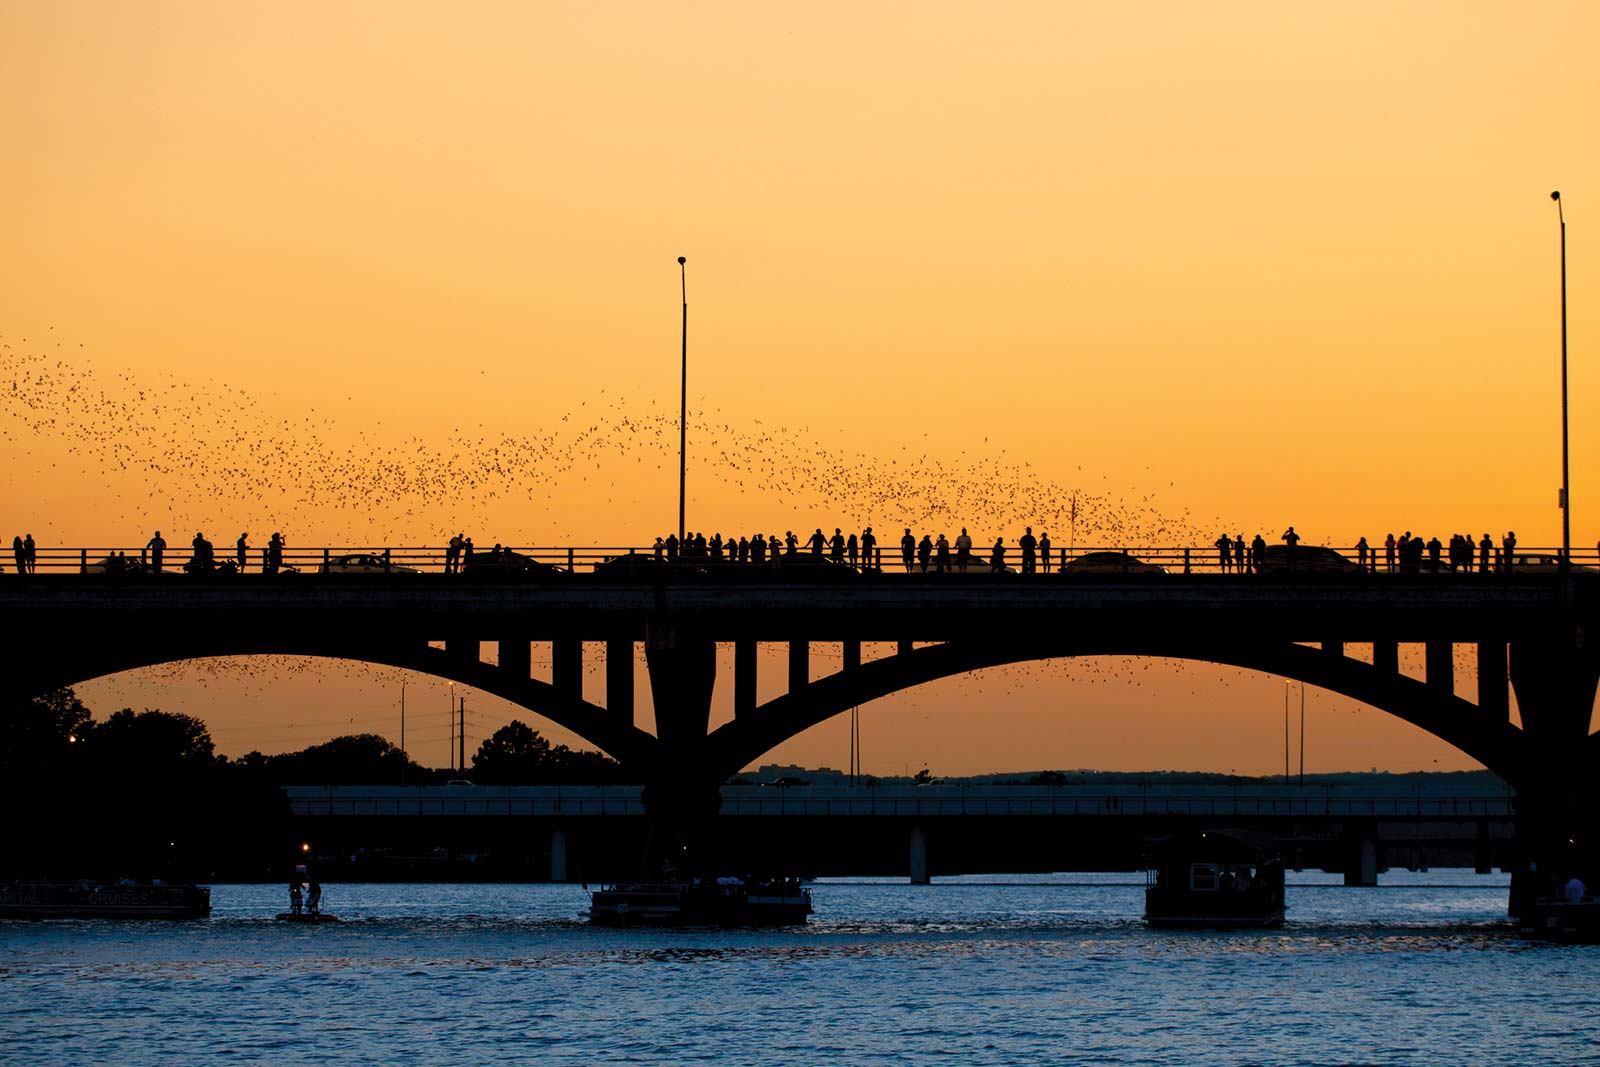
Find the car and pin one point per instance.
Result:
(788, 780)
(1110, 563)
(633, 563)
(1308, 559)
(502, 563)
(1543, 563)
(363, 563)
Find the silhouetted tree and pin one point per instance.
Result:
(516, 754)
(37, 735)
(151, 745)
(355, 759)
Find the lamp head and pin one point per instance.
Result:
(682, 260)
(1553, 196)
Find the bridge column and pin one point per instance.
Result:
(745, 666)
(619, 678)
(1494, 694)
(903, 648)
(566, 667)
(1439, 662)
(918, 858)
(683, 672)
(1386, 656)
(1555, 674)
(516, 657)
(462, 651)
(558, 855)
(799, 665)
(852, 655)
(1361, 855)
(1334, 648)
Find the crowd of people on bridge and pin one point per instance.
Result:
(937, 553)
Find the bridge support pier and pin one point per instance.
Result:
(558, 855)
(918, 858)
(1361, 857)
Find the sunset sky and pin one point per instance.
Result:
(1243, 265)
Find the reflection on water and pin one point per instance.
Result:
(969, 971)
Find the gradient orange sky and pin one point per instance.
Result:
(1256, 264)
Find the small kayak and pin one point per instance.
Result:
(306, 917)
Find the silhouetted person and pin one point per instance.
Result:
(1361, 553)
(924, 551)
(1291, 539)
(1485, 550)
(660, 549)
(836, 546)
(1029, 546)
(296, 901)
(715, 545)
(1240, 554)
(791, 543)
(1044, 550)
(1388, 552)
(742, 552)
(272, 555)
(941, 553)
(852, 551)
(155, 548)
(869, 548)
(314, 898)
(1508, 545)
(452, 553)
(997, 557)
(758, 549)
(908, 548)
(963, 549)
(241, 549)
(1433, 554)
(817, 542)
(1258, 552)
(30, 553)
(1224, 552)
(700, 545)
(671, 544)
(19, 554)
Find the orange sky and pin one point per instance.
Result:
(1259, 264)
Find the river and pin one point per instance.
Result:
(970, 971)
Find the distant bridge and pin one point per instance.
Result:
(915, 831)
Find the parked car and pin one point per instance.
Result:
(1110, 563)
(1308, 559)
(1543, 563)
(363, 563)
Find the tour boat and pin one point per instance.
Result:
(1216, 879)
(95, 900)
(724, 901)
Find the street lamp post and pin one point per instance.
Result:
(683, 399)
(1566, 491)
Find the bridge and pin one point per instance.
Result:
(1526, 627)
(904, 830)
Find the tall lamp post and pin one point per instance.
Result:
(1566, 492)
(683, 399)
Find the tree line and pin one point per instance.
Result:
(56, 738)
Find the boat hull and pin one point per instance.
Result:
(67, 901)
(1576, 923)
(689, 905)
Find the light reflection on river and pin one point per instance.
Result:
(967, 971)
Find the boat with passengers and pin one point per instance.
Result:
(1216, 879)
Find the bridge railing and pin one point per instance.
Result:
(516, 560)
(893, 801)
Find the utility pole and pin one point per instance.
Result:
(403, 759)
(1302, 734)
(461, 736)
